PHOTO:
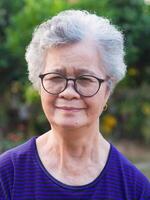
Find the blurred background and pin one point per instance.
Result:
(126, 123)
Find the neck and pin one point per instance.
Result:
(73, 139)
(76, 143)
(68, 152)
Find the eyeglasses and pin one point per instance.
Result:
(85, 85)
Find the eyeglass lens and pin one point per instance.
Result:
(85, 85)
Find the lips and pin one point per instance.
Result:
(67, 108)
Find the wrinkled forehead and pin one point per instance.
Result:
(76, 71)
(78, 58)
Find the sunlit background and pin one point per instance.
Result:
(126, 122)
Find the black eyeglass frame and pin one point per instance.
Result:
(100, 81)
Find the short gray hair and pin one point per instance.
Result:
(72, 26)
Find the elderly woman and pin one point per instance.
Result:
(74, 60)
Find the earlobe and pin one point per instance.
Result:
(105, 107)
(107, 93)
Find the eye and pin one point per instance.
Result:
(53, 78)
(85, 80)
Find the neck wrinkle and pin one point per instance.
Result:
(73, 141)
(83, 149)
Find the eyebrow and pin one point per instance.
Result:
(77, 71)
(85, 71)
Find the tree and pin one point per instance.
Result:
(7, 10)
(18, 20)
(133, 17)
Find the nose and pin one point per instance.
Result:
(69, 92)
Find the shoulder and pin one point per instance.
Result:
(9, 162)
(8, 158)
(133, 179)
(125, 164)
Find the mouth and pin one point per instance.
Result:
(66, 108)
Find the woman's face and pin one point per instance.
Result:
(68, 109)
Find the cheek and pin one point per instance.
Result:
(47, 104)
(98, 108)
(97, 105)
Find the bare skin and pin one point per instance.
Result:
(73, 162)
(74, 152)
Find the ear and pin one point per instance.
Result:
(107, 92)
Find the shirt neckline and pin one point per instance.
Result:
(66, 186)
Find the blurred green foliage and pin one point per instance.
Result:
(129, 111)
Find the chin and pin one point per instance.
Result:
(69, 124)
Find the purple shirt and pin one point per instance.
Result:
(23, 177)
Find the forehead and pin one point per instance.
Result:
(80, 57)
